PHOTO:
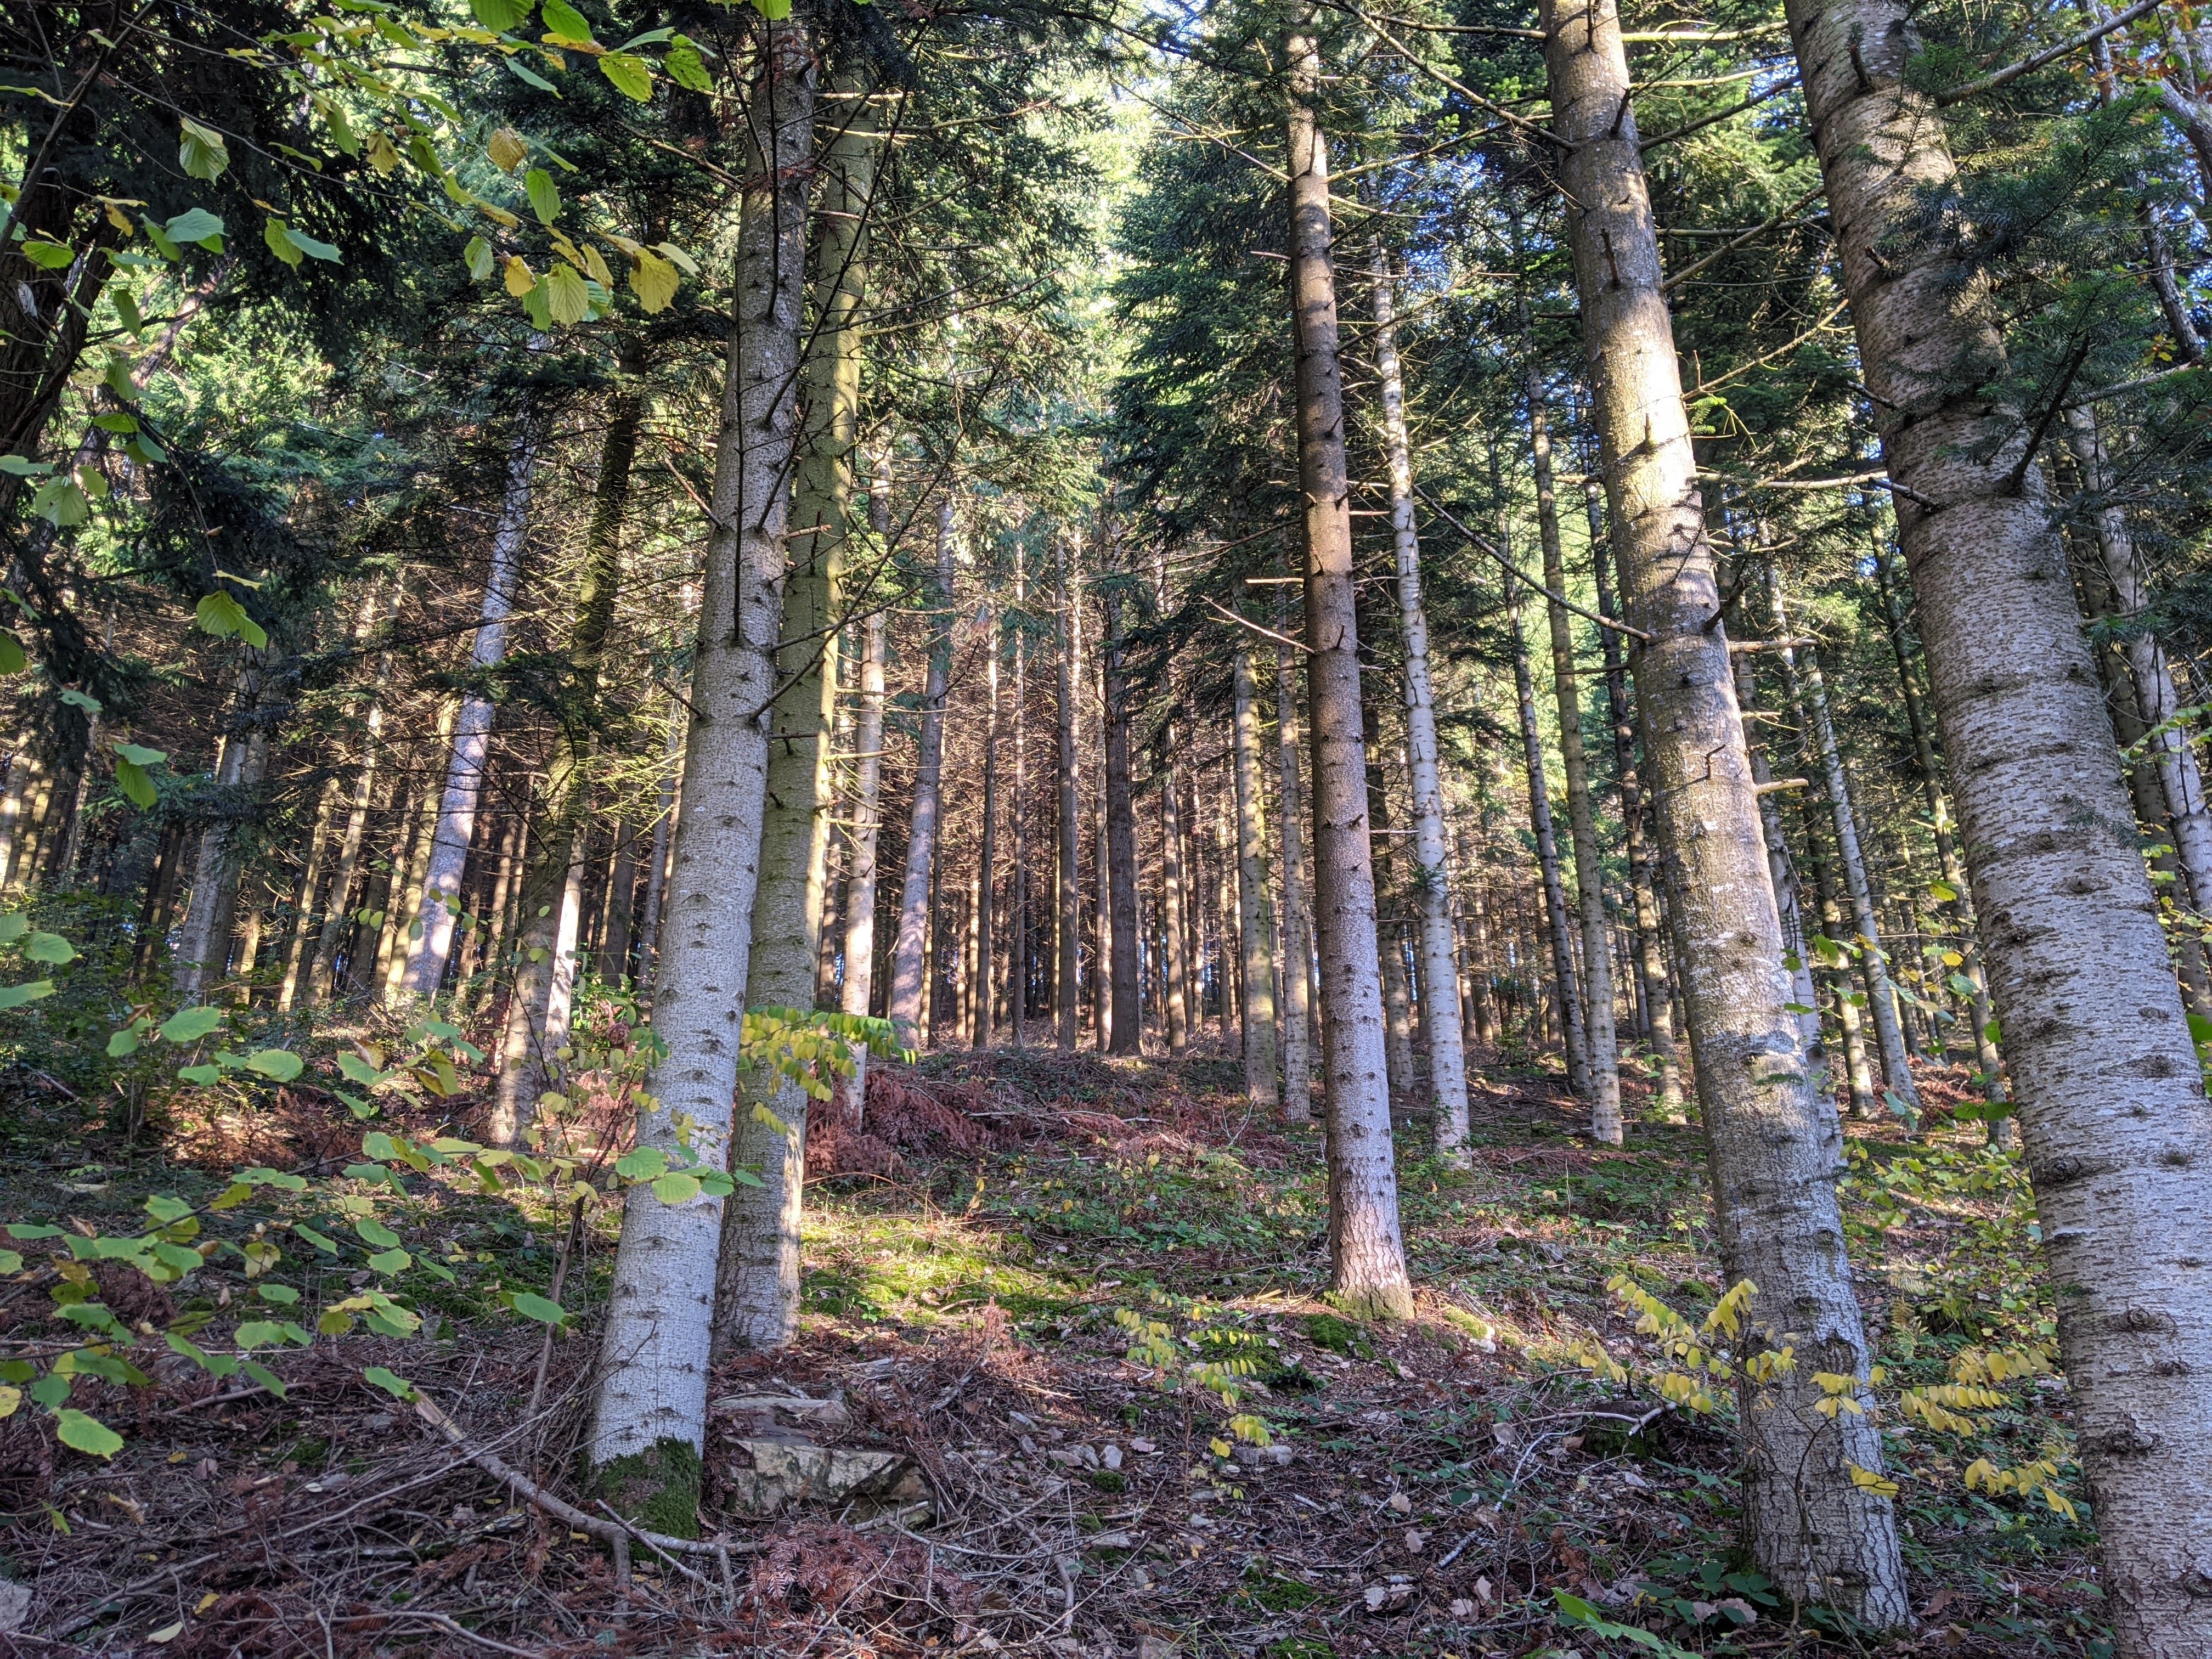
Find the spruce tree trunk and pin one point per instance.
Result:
(1255, 923)
(1175, 902)
(455, 832)
(1067, 921)
(1441, 1022)
(1298, 913)
(1364, 1240)
(1774, 1145)
(1808, 688)
(1397, 1006)
(1127, 1019)
(1565, 975)
(756, 1283)
(664, 831)
(2113, 1106)
(1655, 994)
(203, 949)
(322, 974)
(1960, 905)
(856, 995)
(982, 978)
(1788, 898)
(910, 955)
(311, 883)
(1858, 1074)
(1599, 1042)
(649, 1422)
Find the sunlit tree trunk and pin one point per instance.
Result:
(322, 975)
(756, 1293)
(311, 881)
(648, 1423)
(1858, 1073)
(982, 978)
(1364, 1239)
(450, 840)
(1174, 907)
(856, 995)
(910, 955)
(1774, 1144)
(1789, 897)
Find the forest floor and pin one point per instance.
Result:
(979, 1266)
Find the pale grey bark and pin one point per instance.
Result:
(2113, 1114)
(1774, 1144)
(1365, 1243)
(311, 883)
(432, 942)
(652, 1393)
(664, 831)
(1788, 898)
(1175, 902)
(1124, 1026)
(856, 994)
(909, 951)
(1441, 1022)
(982, 975)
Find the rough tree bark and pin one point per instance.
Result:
(1068, 671)
(1297, 912)
(650, 1413)
(1255, 923)
(1565, 972)
(1127, 1019)
(1365, 1245)
(2114, 1113)
(1175, 902)
(1774, 1145)
(856, 995)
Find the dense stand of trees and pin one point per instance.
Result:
(1742, 475)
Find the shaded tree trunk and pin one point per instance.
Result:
(1564, 974)
(1068, 669)
(910, 956)
(1127, 1023)
(1255, 922)
(1298, 913)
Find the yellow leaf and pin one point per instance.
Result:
(1868, 1481)
(508, 150)
(654, 280)
(520, 281)
(10, 1399)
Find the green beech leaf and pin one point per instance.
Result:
(377, 1376)
(643, 1163)
(683, 65)
(50, 948)
(631, 76)
(373, 1232)
(391, 1262)
(138, 754)
(544, 198)
(191, 1024)
(196, 225)
(280, 1064)
(11, 1261)
(62, 503)
(567, 298)
(678, 1187)
(13, 657)
(529, 77)
(531, 1305)
(563, 19)
(136, 783)
(201, 151)
(87, 1434)
(49, 256)
(478, 255)
(14, 996)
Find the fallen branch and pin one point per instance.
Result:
(609, 1532)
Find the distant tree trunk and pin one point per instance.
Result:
(1397, 1004)
(1789, 899)
(757, 1280)
(910, 958)
(1441, 1024)
(1774, 1144)
(203, 949)
(1858, 1074)
(1175, 906)
(982, 980)
(1564, 974)
(1297, 913)
(856, 996)
(663, 831)
(1103, 979)
(1482, 998)
(322, 976)
(1364, 1240)
(620, 906)
(1255, 924)
(1960, 906)
(465, 771)
(649, 1422)
(1599, 1045)
(311, 881)
(1017, 991)
(410, 868)
(1655, 994)
(1068, 667)
(537, 1023)
(1127, 1020)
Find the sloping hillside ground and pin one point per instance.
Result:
(982, 1261)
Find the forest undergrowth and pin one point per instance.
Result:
(1042, 1287)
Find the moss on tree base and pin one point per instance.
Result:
(657, 1490)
